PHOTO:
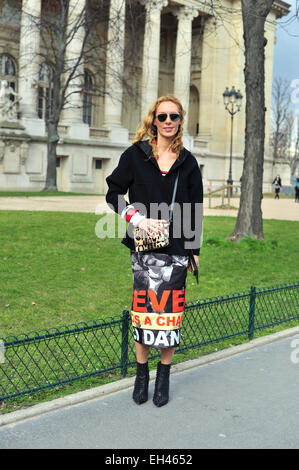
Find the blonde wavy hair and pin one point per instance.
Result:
(148, 129)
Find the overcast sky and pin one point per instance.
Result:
(286, 61)
(286, 52)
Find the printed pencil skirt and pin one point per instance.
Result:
(159, 293)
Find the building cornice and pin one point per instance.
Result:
(202, 6)
(281, 8)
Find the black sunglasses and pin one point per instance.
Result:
(175, 117)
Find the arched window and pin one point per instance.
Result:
(45, 91)
(87, 98)
(193, 111)
(8, 71)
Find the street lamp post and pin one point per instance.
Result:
(232, 101)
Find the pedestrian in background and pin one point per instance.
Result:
(277, 186)
(296, 179)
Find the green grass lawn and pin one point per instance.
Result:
(54, 271)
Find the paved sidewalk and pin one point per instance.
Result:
(246, 400)
(283, 209)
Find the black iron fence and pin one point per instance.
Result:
(53, 357)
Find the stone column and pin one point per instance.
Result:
(208, 94)
(270, 29)
(151, 53)
(29, 66)
(182, 71)
(73, 112)
(115, 70)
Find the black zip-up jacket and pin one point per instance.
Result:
(138, 172)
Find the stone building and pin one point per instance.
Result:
(182, 47)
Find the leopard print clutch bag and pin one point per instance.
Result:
(153, 241)
(146, 242)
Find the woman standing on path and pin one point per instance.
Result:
(148, 170)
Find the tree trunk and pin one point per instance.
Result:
(249, 220)
(51, 184)
(56, 104)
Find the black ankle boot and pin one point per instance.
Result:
(161, 394)
(140, 393)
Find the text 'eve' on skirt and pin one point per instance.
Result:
(159, 294)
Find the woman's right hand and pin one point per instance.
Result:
(151, 225)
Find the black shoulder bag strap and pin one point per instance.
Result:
(173, 197)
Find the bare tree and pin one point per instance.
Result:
(249, 220)
(280, 118)
(289, 152)
(60, 27)
(283, 123)
(294, 157)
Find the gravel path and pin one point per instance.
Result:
(283, 209)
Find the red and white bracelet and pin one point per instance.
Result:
(132, 215)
